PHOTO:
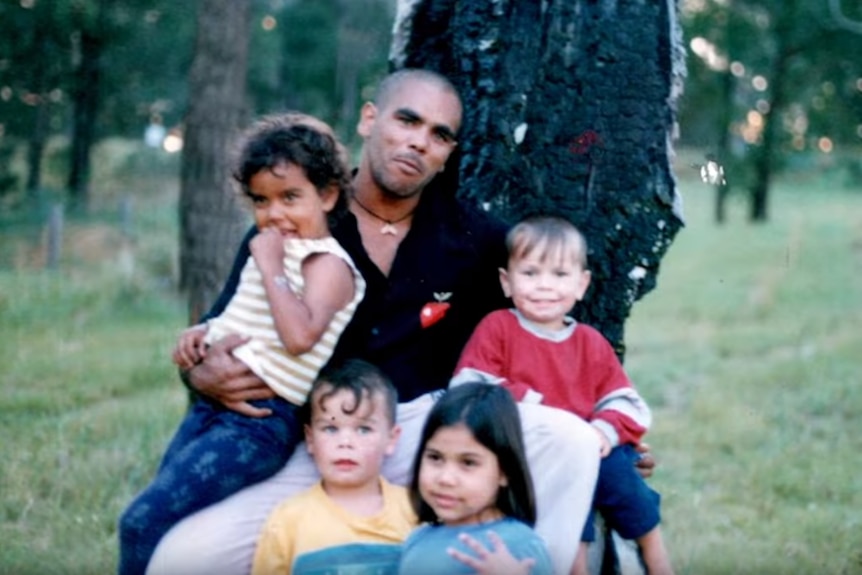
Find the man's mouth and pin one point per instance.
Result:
(409, 164)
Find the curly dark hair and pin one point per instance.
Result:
(361, 378)
(299, 139)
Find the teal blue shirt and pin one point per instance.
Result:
(424, 552)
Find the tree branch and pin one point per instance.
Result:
(842, 20)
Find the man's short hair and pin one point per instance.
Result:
(395, 80)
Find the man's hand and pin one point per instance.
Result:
(645, 465)
(227, 380)
(491, 562)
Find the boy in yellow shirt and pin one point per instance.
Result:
(352, 517)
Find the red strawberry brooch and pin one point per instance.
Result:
(433, 312)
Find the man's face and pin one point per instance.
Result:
(410, 137)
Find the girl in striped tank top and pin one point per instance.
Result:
(297, 292)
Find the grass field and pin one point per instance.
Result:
(748, 350)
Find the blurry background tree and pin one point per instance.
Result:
(771, 81)
(211, 220)
(322, 54)
(319, 55)
(80, 72)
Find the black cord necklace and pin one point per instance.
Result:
(388, 227)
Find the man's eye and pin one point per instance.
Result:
(443, 137)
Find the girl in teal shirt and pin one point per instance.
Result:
(472, 490)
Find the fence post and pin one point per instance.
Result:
(126, 216)
(55, 236)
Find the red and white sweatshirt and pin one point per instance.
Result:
(574, 369)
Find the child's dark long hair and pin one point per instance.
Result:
(490, 413)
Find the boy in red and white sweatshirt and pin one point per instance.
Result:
(542, 355)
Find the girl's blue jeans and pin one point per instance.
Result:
(214, 453)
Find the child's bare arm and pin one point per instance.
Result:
(329, 286)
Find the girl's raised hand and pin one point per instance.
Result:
(497, 561)
(267, 248)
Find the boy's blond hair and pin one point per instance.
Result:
(553, 236)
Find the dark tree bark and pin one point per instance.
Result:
(594, 84)
(38, 135)
(570, 109)
(211, 221)
(87, 83)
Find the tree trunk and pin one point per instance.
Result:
(763, 164)
(86, 105)
(722, 190)
(570, 109)
(211, 221)
(36, 143)
(763, 156)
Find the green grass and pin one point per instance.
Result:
(748, 351)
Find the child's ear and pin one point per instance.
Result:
(307, 430)
(583, 283)
(329, 197)
(504, 282)
(504, 481)
(394, 434)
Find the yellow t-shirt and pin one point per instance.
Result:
(310, 530)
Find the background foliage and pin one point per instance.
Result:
(795, 61)
(748, 348)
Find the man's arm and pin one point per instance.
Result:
(223, 378)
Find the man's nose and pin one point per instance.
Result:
(419, 139)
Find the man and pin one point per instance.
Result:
(430, 264)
